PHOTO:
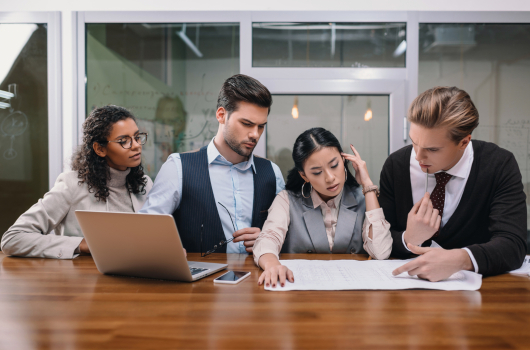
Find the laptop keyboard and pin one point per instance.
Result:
(196, 270)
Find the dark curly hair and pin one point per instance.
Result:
(93, 169)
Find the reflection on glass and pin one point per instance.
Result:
(168, 75)
(492, 63)
(23, 119)
(343, 115)
(328, 44)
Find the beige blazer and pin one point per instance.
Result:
(49, 229)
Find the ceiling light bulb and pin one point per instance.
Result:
(294, 111)
(368, 114)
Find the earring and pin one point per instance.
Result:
(309, 190)
(346, 172)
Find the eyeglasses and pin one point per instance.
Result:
(223, 242)
(126, 141)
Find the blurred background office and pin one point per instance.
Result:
(348, 66)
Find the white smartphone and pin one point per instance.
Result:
(232, 277)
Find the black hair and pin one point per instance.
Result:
(306, 144)
(241, 87)
(93, 169)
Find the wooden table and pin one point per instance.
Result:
(68, 304)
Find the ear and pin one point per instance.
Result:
(464, 142)
(100, 150)
(221, 115)
(303, 176)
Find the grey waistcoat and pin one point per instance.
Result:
(307, 233)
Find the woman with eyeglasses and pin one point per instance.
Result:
(107, 175)
(323, 209)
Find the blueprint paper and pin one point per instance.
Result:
(524, 269)
(367, 275)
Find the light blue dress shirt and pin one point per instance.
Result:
(232, 185)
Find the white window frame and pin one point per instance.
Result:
(53, 22)
(400, 84)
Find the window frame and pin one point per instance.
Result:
(54, 84)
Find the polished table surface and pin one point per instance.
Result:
(68, 304)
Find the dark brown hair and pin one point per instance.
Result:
(448, 107)
(241, 87)
(93, 169)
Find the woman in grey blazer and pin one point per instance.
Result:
(323, 209)
(106, 175)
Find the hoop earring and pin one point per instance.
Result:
(346, 172)
(309, 190)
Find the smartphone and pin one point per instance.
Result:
(232, 277)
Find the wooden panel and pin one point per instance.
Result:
(67, 304)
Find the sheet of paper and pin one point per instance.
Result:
(370, 274)
(524, 269)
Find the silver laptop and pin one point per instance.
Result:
(140, 245)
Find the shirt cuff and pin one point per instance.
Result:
(264, 246)
(403, 240)
(475, 266)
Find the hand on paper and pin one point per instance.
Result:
(273, 271)
(423, 221)
(435, 264)
(361, 170)
(248, 236)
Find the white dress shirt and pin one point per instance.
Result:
(453, 190)
(232, 185)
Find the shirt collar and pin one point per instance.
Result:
(214, 157)
(461, 169)
(332, 203)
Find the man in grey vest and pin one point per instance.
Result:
(222, 191)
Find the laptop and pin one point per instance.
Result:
(140, 245)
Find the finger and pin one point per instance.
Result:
(267, 278)
(274, 277)
(282, 276)
(416, 206)
(423, 206)
(261, 278)
(249, 249)
(434, 217)
(414, 272)
(290, 276)
(249, 243)
(185, 254)
(438, 223)
(407, 267)
(419, 250)
(355, 151)
(246, 230)
(246, 237)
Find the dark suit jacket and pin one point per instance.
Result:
(490, 219)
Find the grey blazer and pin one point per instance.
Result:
(49, 229)
(307, 233)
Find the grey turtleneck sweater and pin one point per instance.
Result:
(119, 199)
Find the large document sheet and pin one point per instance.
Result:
(370, 274)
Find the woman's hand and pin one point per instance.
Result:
(83, 248)
(273, 271)
(361, 171)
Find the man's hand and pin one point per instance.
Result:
(83, 247)
(248, 236)
(435, 264)
(423, 221)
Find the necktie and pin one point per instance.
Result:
(438, 194)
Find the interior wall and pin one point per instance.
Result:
(68, 7)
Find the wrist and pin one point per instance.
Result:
(465, 261)
(268, 260)
(367, 183)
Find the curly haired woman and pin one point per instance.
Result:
(106, 175)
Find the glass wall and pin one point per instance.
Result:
(354, 119)
(23, 119)
(168, 75)
(328, 44)
(492, 63)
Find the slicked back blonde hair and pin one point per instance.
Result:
(447, 107)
